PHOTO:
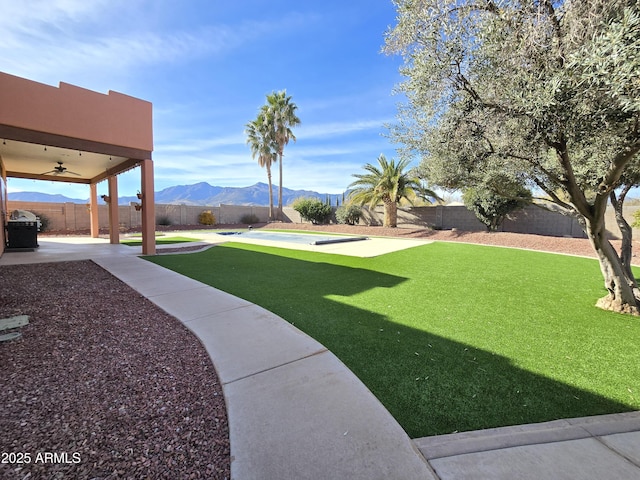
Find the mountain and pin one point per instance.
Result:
(43, 197)
(198, 194)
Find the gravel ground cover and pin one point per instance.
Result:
(103, 384)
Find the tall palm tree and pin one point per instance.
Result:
(280, 113)
(387, 184)
(260, 139)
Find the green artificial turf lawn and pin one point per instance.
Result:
(161, 241)
(450, 337)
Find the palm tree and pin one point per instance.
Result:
(387, 184)
(261, 141)
(280, 114)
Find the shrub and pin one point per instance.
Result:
(348, 214)
(163, 220)
(313, 210)
(44, 221)
(491, 208)
(249, 218)
(206, 218)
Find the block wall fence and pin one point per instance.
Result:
(74, 218)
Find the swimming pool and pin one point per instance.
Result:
(298, 238)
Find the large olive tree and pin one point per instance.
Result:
(546, 92)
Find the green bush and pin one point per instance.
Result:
(206, 218)
(163, 220)
(348, 214)
(249, 219)
(44, 221)
(313, 210)
(491, 208)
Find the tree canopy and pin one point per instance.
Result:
(261, 141)
(269, 133)
(545, 92)
(281, 114)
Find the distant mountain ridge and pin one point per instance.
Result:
(200, 193)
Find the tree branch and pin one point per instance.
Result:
(551, 176)
(553, 196)
(547, 5)
(617, 167)
(487, 6)
(576, 194)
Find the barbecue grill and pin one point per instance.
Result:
(22, 230)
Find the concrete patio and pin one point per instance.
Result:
(296, 412)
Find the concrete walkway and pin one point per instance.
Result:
(590, 448)
(296, 412)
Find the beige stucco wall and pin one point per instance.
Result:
(3, 205)
(124, 121)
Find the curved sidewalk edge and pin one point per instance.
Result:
(588, 448)
(295, 411)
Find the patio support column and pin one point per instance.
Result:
(93, 211)
(148, 208)
(114, 221)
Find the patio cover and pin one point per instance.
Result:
(70, 134)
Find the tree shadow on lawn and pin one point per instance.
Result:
(432, 385)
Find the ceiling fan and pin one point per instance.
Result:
(60, 170)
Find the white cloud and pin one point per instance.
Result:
(339, 128)
(199, 144)
(27, 15)
(78, 39)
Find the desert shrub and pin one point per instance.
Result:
(249, 218)
(206, 218)
(491, 208)
(349, 214)
(163, 220)
(45, 223)
(313, 210)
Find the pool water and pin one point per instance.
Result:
(298, 238)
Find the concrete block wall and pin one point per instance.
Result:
(542, 222)
(74, 217)
(230, 214)
(530, 220)
(70, 217)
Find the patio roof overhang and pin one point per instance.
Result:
(36, 155)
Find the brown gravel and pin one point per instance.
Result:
(106, 381)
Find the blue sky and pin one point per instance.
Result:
(207, 66)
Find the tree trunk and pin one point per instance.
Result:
(621, 297)
(270, 193)
(390, 214)
(280, 215)
(626, 251)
